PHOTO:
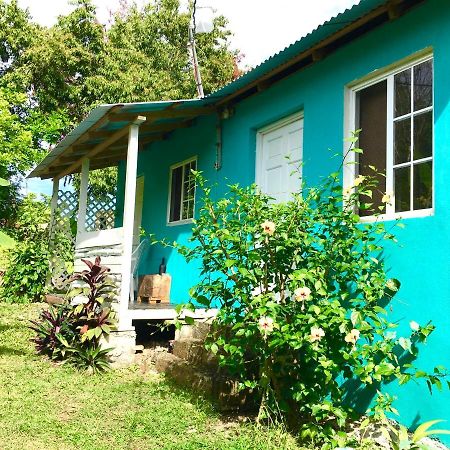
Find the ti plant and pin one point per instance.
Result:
(73, 333)
(93, 318)
(53, 332)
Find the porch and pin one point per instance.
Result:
(112, 134)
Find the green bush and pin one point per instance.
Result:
(27, 272)
(302, 291)
(28, 264)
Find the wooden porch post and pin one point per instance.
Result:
(128, 222)
(82, 204)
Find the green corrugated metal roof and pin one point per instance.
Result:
(99, 112)
(313, 38)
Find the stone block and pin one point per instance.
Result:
(210, 383)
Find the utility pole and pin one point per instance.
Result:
(203, 27)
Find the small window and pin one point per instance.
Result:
(182, 191)
(395, 116)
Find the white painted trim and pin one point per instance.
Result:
(180, 222)
(261, 132)
(100, 238)
(390, 209)
(392, 69)
(82, 206)
(349, 173)
(399, 216)
(128, 224)
(171, 168)
(170, 314)
(281, 123)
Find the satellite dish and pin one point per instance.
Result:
(204, 19)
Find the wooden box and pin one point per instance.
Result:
(154, 288)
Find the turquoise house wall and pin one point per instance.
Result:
(420, 260)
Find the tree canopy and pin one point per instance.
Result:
(50, 77)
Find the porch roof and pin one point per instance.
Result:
(102, 135)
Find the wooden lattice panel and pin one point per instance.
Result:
(100, 213)
(62, 239)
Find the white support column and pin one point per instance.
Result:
(82, 204)
(128, 222)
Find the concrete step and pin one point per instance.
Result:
(219, 388)
(198, 331)
(193, 351)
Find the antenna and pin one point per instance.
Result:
(203, 26)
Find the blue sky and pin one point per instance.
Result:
(38, 186)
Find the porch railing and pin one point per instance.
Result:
(108, 244)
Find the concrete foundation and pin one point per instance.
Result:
(122, 344)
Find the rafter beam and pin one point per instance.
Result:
(84, 136)
(112, 151)
(170, 126)
(99, 148)
(165, 114)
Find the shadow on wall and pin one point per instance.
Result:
(184, 275)
(360, 396)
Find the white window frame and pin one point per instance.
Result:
(350, 162)
(171, 169)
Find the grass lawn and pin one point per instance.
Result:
(49, 407)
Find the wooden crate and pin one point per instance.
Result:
(154, 288)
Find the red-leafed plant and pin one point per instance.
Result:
(93, 317)
(73, 332)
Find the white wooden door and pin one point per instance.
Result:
(139, 203)
(279, 157)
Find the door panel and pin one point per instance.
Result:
(279, 158)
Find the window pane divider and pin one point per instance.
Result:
(414, 163)
(414, 113)
(351, 124)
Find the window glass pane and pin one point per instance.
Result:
(423, 182)
(188, 191)
(423, 85)
(372, 119)
(175, 194)
(423, 135)
(402, 141)
(402, 93)
(402, 182)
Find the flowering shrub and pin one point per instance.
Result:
(302, 291)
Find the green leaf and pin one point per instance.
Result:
(214, 348)
(189, 320)
(230, 262)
